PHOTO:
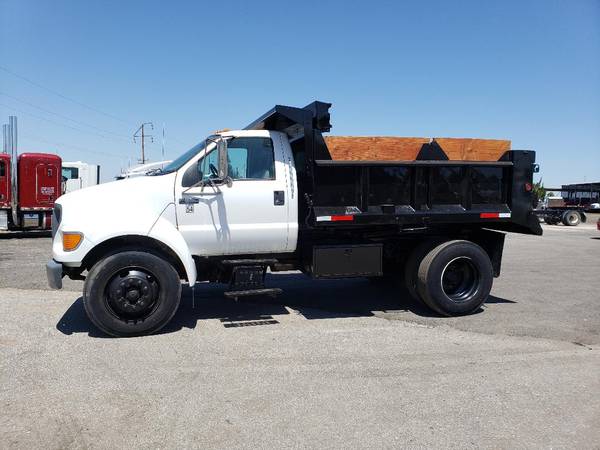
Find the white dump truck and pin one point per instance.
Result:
(271, 196)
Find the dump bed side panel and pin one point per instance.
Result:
(422, 193)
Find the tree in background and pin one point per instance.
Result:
(539, 192)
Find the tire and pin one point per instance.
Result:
(549, 221)
(131, 293)
(412, 267)
(455, 278)
(571, 218)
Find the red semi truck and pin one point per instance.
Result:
(28, 190)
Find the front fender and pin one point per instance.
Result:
(165, 231)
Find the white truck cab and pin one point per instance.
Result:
(190, 211)
(271, 197)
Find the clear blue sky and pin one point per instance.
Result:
(528, 71)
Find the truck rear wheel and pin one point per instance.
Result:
(131, 293)
(412, 266)
(571, 218)
(455, 278)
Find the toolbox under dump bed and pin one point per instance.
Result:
(429, 191)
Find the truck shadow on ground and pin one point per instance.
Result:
(311, 299)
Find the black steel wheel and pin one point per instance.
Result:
(131, 293)
(455, 278)
(460, 279)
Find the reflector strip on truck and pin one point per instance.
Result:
(494, 215)
(335, 218)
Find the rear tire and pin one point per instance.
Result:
(411, 268)
(131, 293)
(455, 278)
(571, 218)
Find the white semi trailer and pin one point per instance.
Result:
(78, 175)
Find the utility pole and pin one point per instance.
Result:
(143, 136)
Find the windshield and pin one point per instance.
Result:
(179, 162)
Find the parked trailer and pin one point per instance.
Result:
(38, 185)
(79, 175)
(271, 196)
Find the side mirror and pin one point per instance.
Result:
(223, 163)
(199, 170)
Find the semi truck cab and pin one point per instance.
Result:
(266, 197)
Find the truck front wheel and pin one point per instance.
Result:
(455, 278)
(131, 293)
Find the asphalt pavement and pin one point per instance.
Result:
(328, 364)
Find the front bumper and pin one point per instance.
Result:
(54, 272)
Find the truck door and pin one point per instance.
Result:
(249, 216)
(47, 183)
(4, 181)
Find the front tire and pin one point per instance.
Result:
(131, 293)
(455, 278)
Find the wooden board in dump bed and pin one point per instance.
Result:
(380, 148)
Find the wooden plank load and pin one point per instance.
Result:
(378, 148)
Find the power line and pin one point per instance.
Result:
(62, 116)
(56, 123)
(62, 96)
(75, 147)
(73, 101)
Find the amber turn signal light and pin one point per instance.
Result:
(71, 241)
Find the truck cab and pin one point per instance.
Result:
(5, 188)
(244, 201)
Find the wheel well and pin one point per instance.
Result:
(133, 242)
(492, 243)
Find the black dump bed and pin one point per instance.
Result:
(430, 191)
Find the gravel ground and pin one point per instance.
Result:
(328, 364)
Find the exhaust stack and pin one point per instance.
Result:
(12, 148)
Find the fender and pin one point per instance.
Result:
(165, 231)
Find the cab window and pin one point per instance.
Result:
(70, 173)
(248, 158)
(251, 158)
(2, 169)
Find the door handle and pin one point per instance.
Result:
(188, 200)
(278, 198)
